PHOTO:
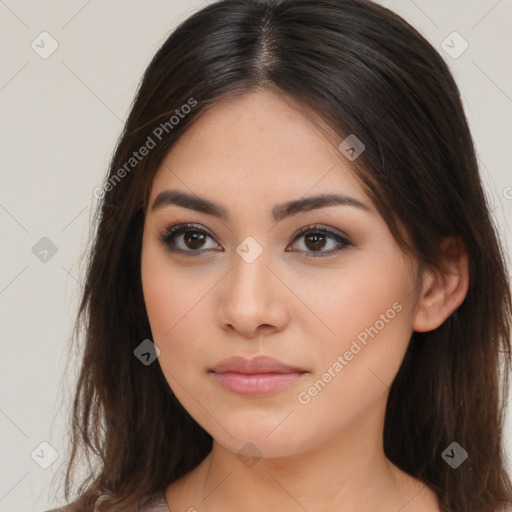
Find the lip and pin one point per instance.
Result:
(257, 376)
(257, 364)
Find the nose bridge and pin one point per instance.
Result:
(249, 280)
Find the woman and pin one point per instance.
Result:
(296, 297)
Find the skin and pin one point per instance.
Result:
(250, 153)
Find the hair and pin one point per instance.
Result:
(360, 69)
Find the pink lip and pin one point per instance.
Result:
(257, 376)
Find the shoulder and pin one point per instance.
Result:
(152, 503)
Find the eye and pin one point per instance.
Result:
(316, 238)
(187, 238)
(192, 239)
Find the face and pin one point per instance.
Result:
(320, 286)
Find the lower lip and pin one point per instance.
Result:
(255, 384)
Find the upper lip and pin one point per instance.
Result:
(257, 364)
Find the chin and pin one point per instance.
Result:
(257, 442)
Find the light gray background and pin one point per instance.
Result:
(60, 118)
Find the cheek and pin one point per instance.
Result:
(169, 308)
(178, 316)
(168, 290)
(177, 310)
(356, 368)
(370, 311)
(354, 300)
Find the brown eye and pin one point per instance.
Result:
(187, 239)
(312, 241)
(315, 241)
(193, 239)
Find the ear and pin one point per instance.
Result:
(443, 287)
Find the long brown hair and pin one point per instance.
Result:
(362, 70)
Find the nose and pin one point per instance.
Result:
(252, 300)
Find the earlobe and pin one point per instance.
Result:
(443, 287)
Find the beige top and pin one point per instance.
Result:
(154, 503)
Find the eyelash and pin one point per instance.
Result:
(172, 231)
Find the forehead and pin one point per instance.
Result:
(254, 148)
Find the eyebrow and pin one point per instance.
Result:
(279, 212)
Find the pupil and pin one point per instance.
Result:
(318, 241)
(193, 239)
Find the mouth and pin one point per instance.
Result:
(258, 376)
